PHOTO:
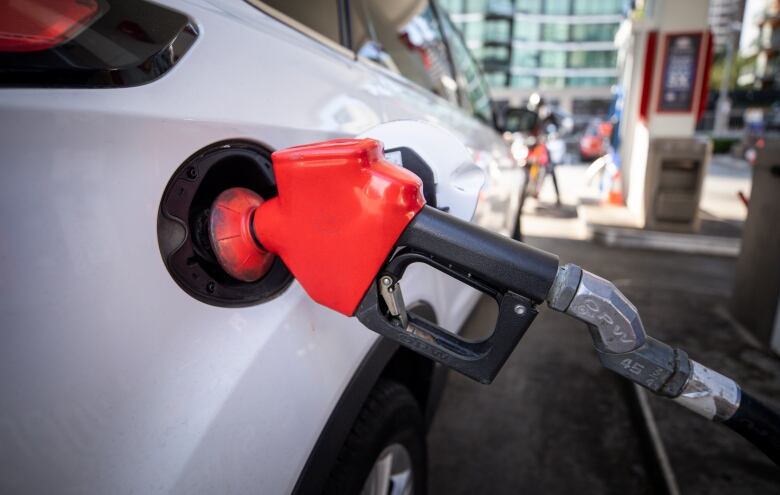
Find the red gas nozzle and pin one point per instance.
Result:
(340, 211)
(230, 229)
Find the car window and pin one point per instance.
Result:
(520, 120)
(474, 92)
(404, 36)
(320, 15)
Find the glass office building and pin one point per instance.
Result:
(541, 44)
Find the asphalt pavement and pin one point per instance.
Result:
(555, 422)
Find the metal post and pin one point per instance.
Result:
(723, 107)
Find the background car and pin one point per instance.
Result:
(130, 362)
(592, 144)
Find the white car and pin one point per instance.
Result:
(130, 362)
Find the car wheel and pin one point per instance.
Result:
(385, 452)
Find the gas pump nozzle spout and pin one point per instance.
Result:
(624, 348)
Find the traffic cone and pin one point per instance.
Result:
(615, 191)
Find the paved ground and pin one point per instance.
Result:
(555, 422)
(720, 202)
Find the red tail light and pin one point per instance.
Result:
(33, 25)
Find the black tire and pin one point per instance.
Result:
(390, 415)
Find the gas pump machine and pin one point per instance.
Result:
(347, 223)
(665, 58)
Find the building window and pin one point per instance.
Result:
(593, 32)
(525, 58)
(497, 31)
(524, 82)
(553, 59)
(476, 6)
(552, 82)
(528, 6)
(473, 31)
(555, 32)
(597, 59)
(589, 7)
(495, 79)
(526, 31)
(501, 7)
(451, 6)
(494, 52)
(547, 35)
(557, 7)
(493, 58)
(590, 81)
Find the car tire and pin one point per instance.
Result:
(388, 436)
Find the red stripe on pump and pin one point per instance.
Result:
(705, 81)
(647, 76)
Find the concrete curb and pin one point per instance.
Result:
(664, 241)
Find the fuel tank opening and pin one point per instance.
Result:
(183, 224)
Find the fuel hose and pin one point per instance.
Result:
(758, 424)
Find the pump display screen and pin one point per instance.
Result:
(678, 84)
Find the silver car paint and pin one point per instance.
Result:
(113, 379)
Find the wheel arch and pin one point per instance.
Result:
(386, 359)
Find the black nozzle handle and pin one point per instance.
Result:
(500, 262)
(517, 276)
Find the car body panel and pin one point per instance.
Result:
(114, 379)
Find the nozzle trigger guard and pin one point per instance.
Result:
(517, 276)
(477, 359)
(426, 241)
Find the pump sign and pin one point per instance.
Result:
(678, 84)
